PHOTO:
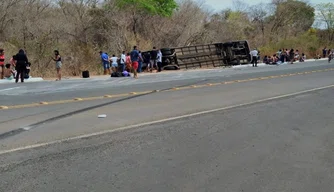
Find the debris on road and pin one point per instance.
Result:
(102, 116)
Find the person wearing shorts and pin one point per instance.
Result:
(105, 62)
(57, 59)
(114, 64)
(134, 55)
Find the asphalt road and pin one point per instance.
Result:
(271, 134)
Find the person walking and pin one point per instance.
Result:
(2, 63)
(57, 59)
(254, 55)
(134, 55)
(21, 65)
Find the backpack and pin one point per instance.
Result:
(116, 74)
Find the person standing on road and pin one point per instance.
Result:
(2, 63)
(134, 55)
(147, 59)
(254, 55)
(122, 62)
(57, 59)
(140, 62)
(128, 64)
(21, 65)
(114, 64)
(154, 57)
(292, 55)
(324, 52)
(159, 60)
(105, 62)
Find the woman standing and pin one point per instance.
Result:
(21, 65)
(57, 59)
(128, 62)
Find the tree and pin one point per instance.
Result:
(258, 14)
(163, 8)
(291, 18)
(6, 8)
(155, 7)
(325, 17)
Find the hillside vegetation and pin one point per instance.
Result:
(79, 29)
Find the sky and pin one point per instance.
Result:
(218, 5)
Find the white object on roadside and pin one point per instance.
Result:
(102, 116)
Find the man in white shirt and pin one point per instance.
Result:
(254, 54)
(114, 64)
(159, 60)
(122, 62)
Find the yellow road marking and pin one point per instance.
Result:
(43, 103)
(240, 81)
(229, 82)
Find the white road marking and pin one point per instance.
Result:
(8, 89)
(161, 121)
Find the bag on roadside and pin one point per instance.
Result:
(116, 74)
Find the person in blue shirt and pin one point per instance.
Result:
(105, 62)
(134, 55)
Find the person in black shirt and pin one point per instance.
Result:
(21, 64)
(324, 52)
(154, 57)
(292, 55)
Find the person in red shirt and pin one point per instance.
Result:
(2, 62)
(128, 62)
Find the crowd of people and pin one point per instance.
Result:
(131, 62)
(284, 55)
(19, 66)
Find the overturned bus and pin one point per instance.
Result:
(209, 55)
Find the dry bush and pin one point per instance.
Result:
(79, 29)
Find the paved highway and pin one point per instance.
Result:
(248, 129)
